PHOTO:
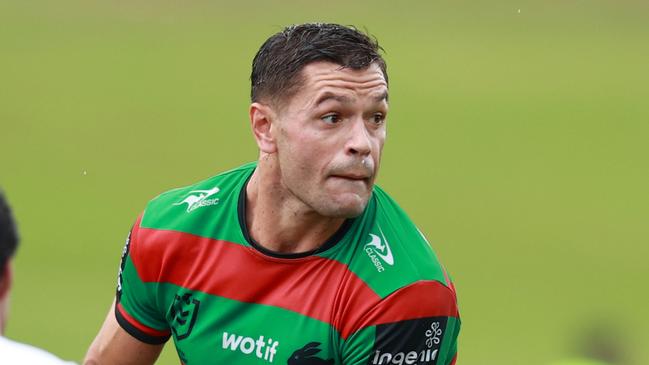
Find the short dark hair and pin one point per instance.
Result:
(277, 65)
(8, 233)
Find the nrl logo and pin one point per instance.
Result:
(183, 313)
(199, 198)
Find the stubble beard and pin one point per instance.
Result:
(323, 203)
(314, 194)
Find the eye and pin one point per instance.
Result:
(378, 118)
(331, 118)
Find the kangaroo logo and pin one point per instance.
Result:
(379, 248)
(183, 313)
(306, 356)
(199, 198)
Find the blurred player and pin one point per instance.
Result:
(11, 352)
(297, 258)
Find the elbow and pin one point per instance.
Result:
(93, 356)
(90, 360)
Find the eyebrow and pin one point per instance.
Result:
(331, 96)
(344, 99)
(382, 96)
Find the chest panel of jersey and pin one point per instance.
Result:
(220, 330)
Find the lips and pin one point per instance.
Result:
(355, 177)
(353, 172)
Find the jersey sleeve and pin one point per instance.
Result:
(418, 324)
(136, 308)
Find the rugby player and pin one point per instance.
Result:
(297, 258)
(12, 352)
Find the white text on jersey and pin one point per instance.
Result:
(199, 198)
(263, 349)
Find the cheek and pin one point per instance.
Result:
(378, 145)
(300, 157)
(311, 148)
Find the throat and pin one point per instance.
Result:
(278, 229)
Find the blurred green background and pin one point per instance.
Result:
(518, 142)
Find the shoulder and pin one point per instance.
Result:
(20, 353)
(396, 269)
(176, 219)
(395, 253)
(180, 202)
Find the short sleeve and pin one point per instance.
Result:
(418, 324)
(135, 303)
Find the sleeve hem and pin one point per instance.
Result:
(156, 337)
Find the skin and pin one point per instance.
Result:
(115, 346)
(5, 286)
(319, 156)
(320, 153)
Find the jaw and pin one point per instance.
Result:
(343, 203)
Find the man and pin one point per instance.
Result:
(12, 352)
(297, 258)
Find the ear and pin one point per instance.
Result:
(262, 118)
(6, 277)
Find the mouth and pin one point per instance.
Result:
(353, 177)
(354, 174)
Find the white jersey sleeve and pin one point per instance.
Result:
(16, 353)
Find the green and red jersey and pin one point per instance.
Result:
(374, 293)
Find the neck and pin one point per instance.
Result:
(279, 221)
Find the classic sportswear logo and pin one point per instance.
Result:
(261, 348)
(199, 198)
(378, 248)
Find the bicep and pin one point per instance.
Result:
(114, 346)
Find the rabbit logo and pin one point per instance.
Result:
(306, 356)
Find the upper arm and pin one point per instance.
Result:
(418, 324)
(113, 345)
(135, 329)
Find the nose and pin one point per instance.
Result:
(359, 142)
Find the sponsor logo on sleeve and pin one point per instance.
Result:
(200, 198)
(122, 263)
(379, 251)
(411, 342)
(260, 347)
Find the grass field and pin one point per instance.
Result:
(518, 141)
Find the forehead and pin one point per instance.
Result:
(321, 76)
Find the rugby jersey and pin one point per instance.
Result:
(374, 293)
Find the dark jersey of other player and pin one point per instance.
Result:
(374, 293)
